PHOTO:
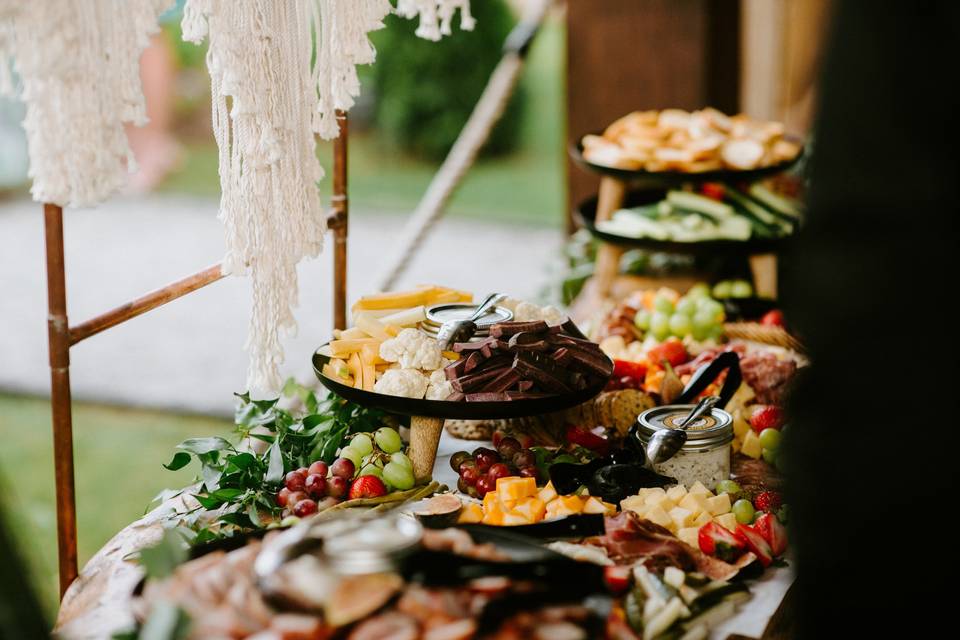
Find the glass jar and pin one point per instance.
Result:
(705, 457)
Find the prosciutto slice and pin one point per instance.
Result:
(630, 539)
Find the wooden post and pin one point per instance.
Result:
(340, 223)
(424, 439)
(58, 333)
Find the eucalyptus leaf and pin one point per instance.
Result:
(204, 445)
(275, 467)
(180, 460)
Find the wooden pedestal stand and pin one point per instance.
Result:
(424, 440)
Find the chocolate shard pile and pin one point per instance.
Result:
(524, 360)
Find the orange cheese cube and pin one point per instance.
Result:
(596, 505)
(471, 513)
(490, 501)
(515, 488)
(547, 493)
(533, 509)
(511, 519)
(565, 506)
(493, 516)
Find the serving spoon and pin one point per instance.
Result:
(665, 443)
(462, 330)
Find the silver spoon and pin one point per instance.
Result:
(461, 330)
(665, 443)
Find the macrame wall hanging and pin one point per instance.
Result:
(78, 64)
(268, 101)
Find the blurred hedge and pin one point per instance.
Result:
(424, 91)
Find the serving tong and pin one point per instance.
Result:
(453, 331)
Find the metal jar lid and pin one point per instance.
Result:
(376, 546)
(710, 431)
(440, 313)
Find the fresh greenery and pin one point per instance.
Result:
(424, 91)
(237, 485)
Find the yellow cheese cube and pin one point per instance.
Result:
(663, 502)
(547, 493)
(719, 505)
(751, 445)
(642, 494)
(471, 513)
(493, 517)
(533, 509)
(658, 516)
(635, 504)
(682, 517)
(676, 493)
(596, 505)
(703, 518)
(514, 488)
(727, 520)
(740, 425)
(699, 488)
(690, 535)
(696, 502)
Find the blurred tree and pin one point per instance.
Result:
(424, 91)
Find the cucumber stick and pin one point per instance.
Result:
(703, 204)
(779, 204)
(757, 211)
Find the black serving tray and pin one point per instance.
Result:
(673, 178)
(450, 409)
(586, 215)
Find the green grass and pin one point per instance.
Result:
(526, 187)
(118, 454)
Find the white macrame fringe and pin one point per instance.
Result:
(436, 16)
(78, 63)
(268, 100)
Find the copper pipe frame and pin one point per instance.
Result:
(338, 222)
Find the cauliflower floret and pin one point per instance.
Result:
(413, 350)
(407, 383)
(527, 312)
(439, 387)
(553, 315)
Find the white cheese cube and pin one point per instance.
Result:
(674, 577)
(690, 535)
(659, 516)
(703, 518)
(654, 495)
(727, 521)
(696, 502)
(751, 445)
(634, 503)
(682, 517)
(676, 493)
(699, 488)
(663, 502)
(719, 505)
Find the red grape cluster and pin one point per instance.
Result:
(306, 489)
(480, 470)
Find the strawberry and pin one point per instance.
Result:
(773, 318)
(755, 543)
(617, 578)
(768, 501)
(717, 540)
(768, 526)
(367, 487)
(588, 439)
(672, 351)
(767, 416)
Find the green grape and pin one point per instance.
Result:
(699, 333)
(401, 459)
(663, 304)
(743, 511)
(728, 486)
(397, 476)
(715, 333)
(362, 443)
(770, 439)
(660, 325)
(352, 455)
(642, 320)
(680, 325)
(770, 456)
(722, 289)
(699, 290)
(388, 439)
(371, 470)
(741, 289)
(687, 305)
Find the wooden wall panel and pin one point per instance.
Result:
(624, 55)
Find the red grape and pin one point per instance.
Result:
(343, 468)
(318, 468)
(498, 470)
(484, 462)
(296, 496)
(337, 487)
(304, 508)
(295, 480)
(316, 485)
(463, 486)
(525, 458)
(485, 485)
(508, 448)
(470, 475)
(529, 472)
(282, 497)
(459, 458)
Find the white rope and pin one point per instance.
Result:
(78, 64)
(436, 16)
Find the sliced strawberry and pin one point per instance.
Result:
(588, 439)
(716, 540)
(367, 487)
(773, 531)
(671, 350)
(617, 578)
(768, 501)
(773, 318)
(768, 416)
(755, 543)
